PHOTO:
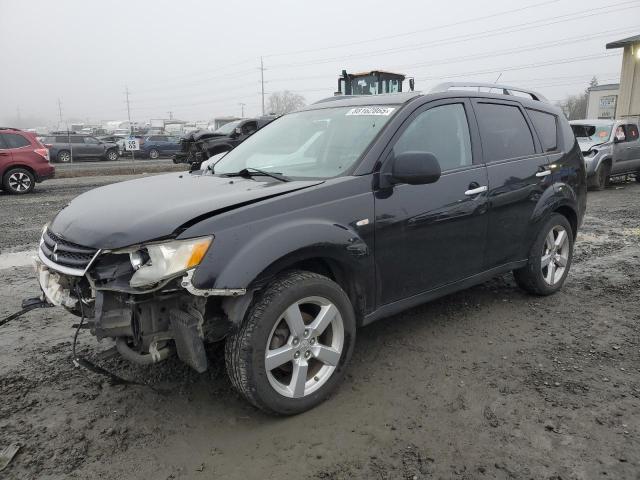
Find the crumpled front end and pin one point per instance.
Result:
(141, 297)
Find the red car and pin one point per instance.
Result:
(24, 161)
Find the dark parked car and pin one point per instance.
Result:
(65, 147)
(156, 146)
(329, 218)
(23, 161)
(200, 145)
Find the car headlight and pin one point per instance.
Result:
(159, 261)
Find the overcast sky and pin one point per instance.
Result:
(200, 59)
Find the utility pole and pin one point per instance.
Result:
(262, 82)
(126, 92)
(242, 107)
(170, 115)
(133, 153)
(59, 113)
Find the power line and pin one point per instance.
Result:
(523, 67)
(430, 29)
(472, 36)
(449, 60)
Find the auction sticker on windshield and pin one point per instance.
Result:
(384, 111)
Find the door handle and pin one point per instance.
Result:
(475, 191)
(543, 173)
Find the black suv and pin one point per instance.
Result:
(200, 145)
(329, 218)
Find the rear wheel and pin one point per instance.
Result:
(153, 154)
(18, 181)
(64, 156)
(549, 258)
(292, 349)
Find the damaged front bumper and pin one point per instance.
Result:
(148, 325)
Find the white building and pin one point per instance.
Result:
(603, 100)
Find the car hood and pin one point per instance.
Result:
(136, 211)
(586, 143)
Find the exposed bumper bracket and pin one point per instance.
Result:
(220, 292)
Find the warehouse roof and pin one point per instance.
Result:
(606, 86)
(624, 42)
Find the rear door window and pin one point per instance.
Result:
(77, 139)
(547, 128)
(504, 131)
(13, 140)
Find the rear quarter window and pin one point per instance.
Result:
(504, 132)
(547, 127)
(14, 140)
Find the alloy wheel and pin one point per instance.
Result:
(153, 154)
(304, 347)
(112, 155)
(64, 157)
(19, 182)
(555, 255)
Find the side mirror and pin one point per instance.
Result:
(415, 168)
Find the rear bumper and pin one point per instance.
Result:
(45, 173)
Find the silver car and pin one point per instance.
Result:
(609, 147)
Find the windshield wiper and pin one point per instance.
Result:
(250, 172)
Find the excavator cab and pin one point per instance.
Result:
(375, 82)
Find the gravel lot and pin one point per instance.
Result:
(485, 383)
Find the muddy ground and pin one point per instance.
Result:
(486, 383)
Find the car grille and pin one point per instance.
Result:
(64, 253)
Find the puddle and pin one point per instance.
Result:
(17, 259)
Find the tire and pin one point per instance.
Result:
(63, 156)
(18, 181)
(266, 328)
(601, 179)
(154, 154)
(534, 277)
(112, 155)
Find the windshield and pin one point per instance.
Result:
(227, 128)
(321, 143)
(593, 132)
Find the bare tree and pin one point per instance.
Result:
(575, 106)
(283, 102)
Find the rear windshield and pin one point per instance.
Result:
(595, 131)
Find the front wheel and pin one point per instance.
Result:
(292, 349)
(549, 258)
(112, 155)
(18, 181)
(601, 178)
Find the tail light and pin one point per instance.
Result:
(43, 152)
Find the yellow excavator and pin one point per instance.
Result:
(374, 82)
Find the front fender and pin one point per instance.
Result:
(290, 242)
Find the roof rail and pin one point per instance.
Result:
(506, 89)
(10, 128)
